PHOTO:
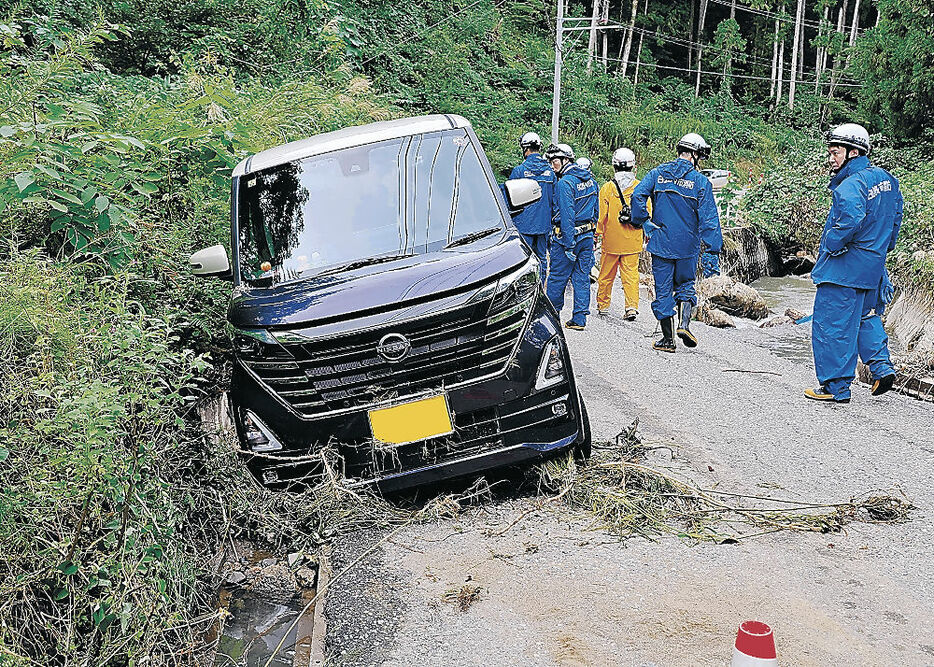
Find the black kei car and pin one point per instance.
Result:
(386, 313)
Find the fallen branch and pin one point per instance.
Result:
(743, 370)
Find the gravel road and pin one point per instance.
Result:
(556, 590)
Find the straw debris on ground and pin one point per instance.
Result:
(462, 597)
(628, 497)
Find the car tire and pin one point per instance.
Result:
(583, 446)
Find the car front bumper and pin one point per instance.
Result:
(498, 422)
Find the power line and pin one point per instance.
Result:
(783, 17)
(706, 47)
(686, 42)
(735, 76)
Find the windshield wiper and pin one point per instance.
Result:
(359, 263)
(470, 238)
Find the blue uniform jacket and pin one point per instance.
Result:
(576, 199)
(536, 217)
(684, 212)
(862, 227)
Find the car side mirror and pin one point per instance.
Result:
(520, 192)
(211, 263)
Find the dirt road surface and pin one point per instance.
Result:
(557, 590)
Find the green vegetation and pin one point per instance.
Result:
(896, 61)
(119, 124)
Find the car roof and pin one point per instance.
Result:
(347, 138)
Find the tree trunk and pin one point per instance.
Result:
(728, 65)
(629, 32)
(853, 28)
(780, 80)
(801, 41)
(622, 41)
(692, 39)
(605, 39)
(819, 56)
(774, 62)
(799, 15)
(702, 15)
(592, 42)
(834, 67)
(645, 12)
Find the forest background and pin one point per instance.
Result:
(119, 124)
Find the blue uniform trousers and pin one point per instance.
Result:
(539, 245)
(674, 281)
(844, 326)
(578, 273)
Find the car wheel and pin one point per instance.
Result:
(583, 446)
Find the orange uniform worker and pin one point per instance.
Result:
(622, 242)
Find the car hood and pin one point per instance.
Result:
(373, 289)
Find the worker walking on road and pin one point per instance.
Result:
(852, 284)
(684, 215)
(572, 247)
(534, 221)
(621, 240)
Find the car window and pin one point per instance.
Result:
(402, 196)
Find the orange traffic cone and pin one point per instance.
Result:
(755, 646)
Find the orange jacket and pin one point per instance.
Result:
(617, 239)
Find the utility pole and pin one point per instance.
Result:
(556, 99)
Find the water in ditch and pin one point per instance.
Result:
(254, 630)
(791, 341)
(263, 623)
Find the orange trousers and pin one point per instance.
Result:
(628, 266)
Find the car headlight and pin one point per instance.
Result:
(258, 436)
(515, 291)
(551, 367)
(252, 343)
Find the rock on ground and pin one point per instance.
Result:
(713, 316)
(777, 321)
(734, 298)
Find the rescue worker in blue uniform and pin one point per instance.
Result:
(572, 246)
(852, 284)
(534, 221)
(684, 214)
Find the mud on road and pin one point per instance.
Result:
(557, 589)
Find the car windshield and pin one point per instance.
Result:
(405, 196)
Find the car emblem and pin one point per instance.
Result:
(393, 347)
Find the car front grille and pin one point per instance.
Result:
(346, 372)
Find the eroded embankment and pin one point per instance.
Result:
(910, 319)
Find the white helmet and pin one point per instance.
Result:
(694, 143)
(530, 140)
(850, 135)
(559, 150)
(584, 162)
(624, 160)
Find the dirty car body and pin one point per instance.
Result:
(387, 317)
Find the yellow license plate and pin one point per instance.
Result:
(411, 422)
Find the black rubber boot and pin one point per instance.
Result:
(667, 343)
(883, 384)
(684, 331)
